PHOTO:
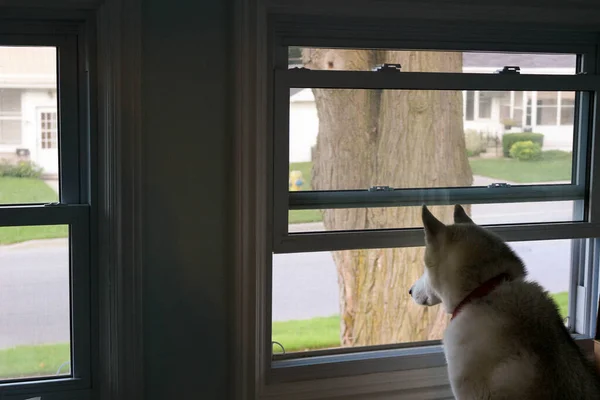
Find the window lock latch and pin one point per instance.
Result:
(499, 185)
(388, 68)
(509, 69)
(380, 189)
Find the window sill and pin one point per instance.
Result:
(415, 373)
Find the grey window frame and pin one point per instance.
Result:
(75, 206)
(416, 368)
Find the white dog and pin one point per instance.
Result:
(506, 339)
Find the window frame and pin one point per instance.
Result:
(256, 232)
(74, 207)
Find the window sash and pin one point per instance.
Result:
(283, 200)
(324, 79)
(73, 208)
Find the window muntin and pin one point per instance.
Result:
(309, 302)
(35, 326)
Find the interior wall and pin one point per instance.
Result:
(187, 140)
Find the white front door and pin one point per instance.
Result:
(47, 140)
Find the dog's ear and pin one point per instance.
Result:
(460, 216)
(433, 226)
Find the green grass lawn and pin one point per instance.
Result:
(26, 191)
(302, 216)
(324, 332)
(512, 170)
(33, 361)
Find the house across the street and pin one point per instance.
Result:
(491, 113)
(28, 106)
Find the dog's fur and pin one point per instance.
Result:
(510, 343)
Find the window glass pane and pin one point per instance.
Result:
(343, 219)
(28, 125)
(485, 104)
(10, 132)
(469, 105)
(352, 298)
(431, 61)
(35, 327)
(518, 103)
(504, 106)
(343, 139)
(547, 108)
(567, 108)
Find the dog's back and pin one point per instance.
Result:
(514, 340)
(508, 341)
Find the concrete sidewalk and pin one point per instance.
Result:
(53, 183)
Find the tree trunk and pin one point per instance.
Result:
(400, 138)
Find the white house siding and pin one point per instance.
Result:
(304, 126)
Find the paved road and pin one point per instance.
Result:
(34, 293)
(305, 285)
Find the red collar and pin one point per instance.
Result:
(481, 291)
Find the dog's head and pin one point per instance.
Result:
(459, 258)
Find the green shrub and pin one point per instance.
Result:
(526, 151)
(508, 139)
(475, 143)
(22, 169)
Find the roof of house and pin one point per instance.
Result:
(497, 60)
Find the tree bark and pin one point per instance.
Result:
(400, 138)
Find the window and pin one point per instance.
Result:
(469, 105)
(355, 147)
(10, 116)
(547, 108)
(567, 108)
(45, 213)
(485, 105)
(48, 130)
